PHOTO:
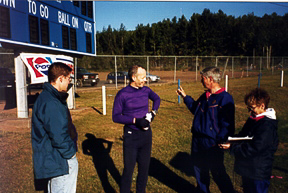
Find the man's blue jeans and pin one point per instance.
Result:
(66, 183)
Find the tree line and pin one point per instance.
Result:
(206, 34)
(203, 34)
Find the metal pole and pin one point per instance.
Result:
(104, 99)
(232, 67)
(179, 99)
(21, 89)
(260, 65)
(272, 65)
(175, 70)
(254, 63)
(196, 67)
(116, 73)
(226, 83)
(259, 79)
(267, 58)
(148, 81)
(247, 65)
(282, 78)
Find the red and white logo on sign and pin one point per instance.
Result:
(39, 65)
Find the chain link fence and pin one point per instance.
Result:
(188, 68)
(172, 68)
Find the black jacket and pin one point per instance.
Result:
(254, 159)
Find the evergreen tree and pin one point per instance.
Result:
(203, 34)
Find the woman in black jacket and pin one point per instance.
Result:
(254, 158)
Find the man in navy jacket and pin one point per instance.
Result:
(53, 134)
(213, 122)
(131, 108)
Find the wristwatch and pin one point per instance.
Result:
(154, 112)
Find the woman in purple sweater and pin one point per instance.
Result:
(131, 108)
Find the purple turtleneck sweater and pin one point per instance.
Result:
(133, 103)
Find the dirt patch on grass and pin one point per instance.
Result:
(16, 174)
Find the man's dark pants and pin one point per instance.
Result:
(136, 148)
(255, 186)
(211, 160)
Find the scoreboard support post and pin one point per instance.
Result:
(21, 88)
(71, 97)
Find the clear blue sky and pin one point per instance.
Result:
(132, 13)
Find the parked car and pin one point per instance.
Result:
(86, 78)
(120, 77)
(152, 78)
(7, 78)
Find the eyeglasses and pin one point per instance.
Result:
(250, 108)
(67, 77)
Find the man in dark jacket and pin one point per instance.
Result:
(254, 159)
(53, 134)
(213, 123)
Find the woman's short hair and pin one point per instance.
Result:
(133, 71)
(256, 97)
(57, 69)
(213, 72)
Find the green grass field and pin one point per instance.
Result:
(100, 157)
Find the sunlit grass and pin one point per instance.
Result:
(171, 128)
(171, 138)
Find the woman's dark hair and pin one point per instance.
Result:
(256, 97)
(57, 69)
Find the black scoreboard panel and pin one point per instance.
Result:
(44, 31)
(5, 22)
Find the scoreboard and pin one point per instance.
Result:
(54, 26)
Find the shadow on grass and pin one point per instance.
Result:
(77, 95)
(41, 185)
(97, 110)
(280, 169)
(99, 149)
(182, 161)
(163, 174)
(168, 101)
